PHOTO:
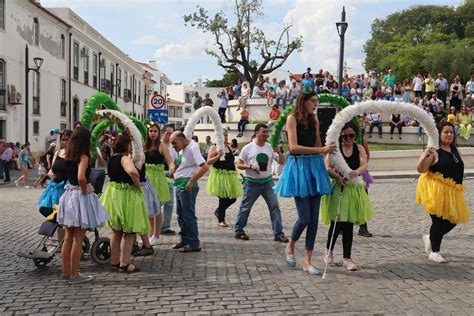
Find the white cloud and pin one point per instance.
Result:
(178, 51)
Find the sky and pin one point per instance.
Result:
(155, 30)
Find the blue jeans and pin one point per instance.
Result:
(292, 99)
(168, 211)
(187, 220)
(308, 215)
(252, 191)
(281, 100)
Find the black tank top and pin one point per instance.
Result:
(353, 161)
(59, 169)
(449, 164)
(142, 173)
(306, 136)
(154, 157)
(228, 163)
(116, 171)
(71, 172)
(396, 118)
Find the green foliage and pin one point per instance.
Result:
(229, 78)
(423, 39)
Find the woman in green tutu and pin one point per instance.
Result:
(355, 207)
(125, 202)
(156, 153)
(223, 181)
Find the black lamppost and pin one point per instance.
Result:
(38, 62)
(341, 30)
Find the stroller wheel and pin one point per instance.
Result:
(100, 251)
(41, 263)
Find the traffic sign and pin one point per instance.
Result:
(158, 116)
(158, 101)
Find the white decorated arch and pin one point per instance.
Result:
(216, 120)
(385, 108)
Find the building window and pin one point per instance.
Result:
(94, 70)
(36, 128)
(3, 93)
(2, 14)
(75, 57)
(75, 110)
(139, 92)
(36, 92)
(119, 77)
(85, 52)
(36, 29)
(63, 98)
(63, 46)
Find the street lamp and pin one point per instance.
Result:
(38, 63)
(341, 30)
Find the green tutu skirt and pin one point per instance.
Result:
(224, 184)
(158, 180)
(126, 207)
(355, 206)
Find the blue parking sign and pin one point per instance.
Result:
(158, 116)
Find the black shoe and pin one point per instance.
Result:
(178, 245)
(364, 232)
(169, 232)
(189, 248)
(144, 252)
(281, 238)
(242, 236)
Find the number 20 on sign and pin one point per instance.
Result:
(157, 101)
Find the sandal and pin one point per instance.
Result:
(115, 267)
(126, 270)
(223, 224)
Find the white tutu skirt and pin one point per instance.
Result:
(151, 199)
(80, 210)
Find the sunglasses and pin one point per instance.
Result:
(348, 136)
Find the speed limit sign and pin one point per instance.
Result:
(157, 101)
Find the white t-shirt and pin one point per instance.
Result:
(417, 84)
(190, 161)
(253, 154)
(173, 153)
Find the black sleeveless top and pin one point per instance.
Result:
(305, 136)
(353, 161)
(116, 172)
(396, 118)
(59, 169)
(449, 164)
(71, 172)
(154, 157)
(142, 173)
(228, 163)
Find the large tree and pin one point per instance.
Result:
(243, 47)
(423, 39)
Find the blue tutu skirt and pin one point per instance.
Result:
(151, 199)
(303, 176)
(51, 194)
(80, 210)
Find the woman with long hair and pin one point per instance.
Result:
(24, 159)
(125, 202)
(349, 203)
(79, 206)
(156, 154)
(440, 190)
(304, 176)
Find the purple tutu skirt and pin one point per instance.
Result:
(368, 179)
(151, 199)
(80, 210)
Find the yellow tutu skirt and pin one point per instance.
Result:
(442, 197)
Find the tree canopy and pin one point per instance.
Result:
(243, 47)
(423, 39)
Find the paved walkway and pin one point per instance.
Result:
(231, 276)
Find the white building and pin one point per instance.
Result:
(25, 23)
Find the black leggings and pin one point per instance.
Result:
(439, 228)
(224, 204)
(346, 228)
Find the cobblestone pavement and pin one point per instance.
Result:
(231, 276)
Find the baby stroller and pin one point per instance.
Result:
(49, 246)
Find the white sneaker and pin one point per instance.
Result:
(427, 241)
(27, 187)
(154, 241)
(436, 257)
(17, 183)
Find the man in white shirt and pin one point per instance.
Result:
(418, 85)
(441, 85)
(375, 120)
(191, 167)
(168, 206)
(256, 159)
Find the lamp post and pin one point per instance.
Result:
(341, 30)
(38, 63)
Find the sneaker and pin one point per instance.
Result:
(154, 241)
(349, 264)
(436, 257)
(17, 183)
(189, 248)
(178, 245)
(312, 270)
(144, 252)
(281, 238)
(27, 187)
(364, 232)
(328, 257)
(80, 278)
(427, 242)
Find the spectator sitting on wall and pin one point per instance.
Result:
(244, 120)
(274, 114)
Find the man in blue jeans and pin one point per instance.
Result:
(256, 159)
(191, 167)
